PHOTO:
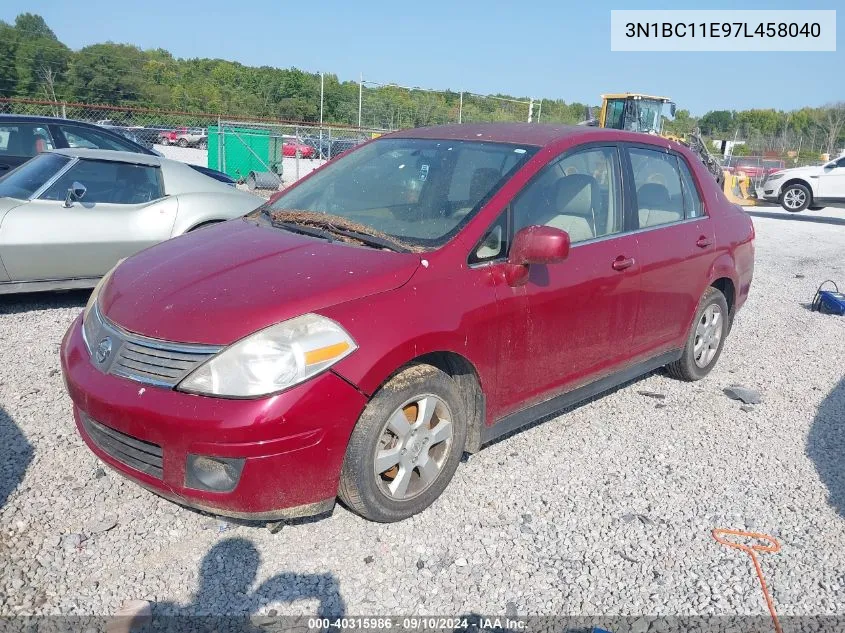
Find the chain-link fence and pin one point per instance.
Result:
(258, 153)
(264, 155)
(758, 168)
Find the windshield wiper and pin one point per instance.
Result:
(303, 230)
(334, 224)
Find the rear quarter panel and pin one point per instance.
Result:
(197, 208)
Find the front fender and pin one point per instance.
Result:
(422, 317)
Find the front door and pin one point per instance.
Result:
(832, 182)
(572, 322)
(121, 212)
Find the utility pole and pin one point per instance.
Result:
(531, 110)
(322, 87)
(461, 108)
(360, 98)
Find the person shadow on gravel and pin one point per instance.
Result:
(224, 600)
(826, 445)
(15, 456)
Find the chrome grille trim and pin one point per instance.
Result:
(141, 358)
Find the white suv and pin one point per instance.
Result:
(815, 186)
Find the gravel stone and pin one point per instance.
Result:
(738, 392)
(695, 465)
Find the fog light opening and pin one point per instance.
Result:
(218, 474)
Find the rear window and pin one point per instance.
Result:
(80, 137)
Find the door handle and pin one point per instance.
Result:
(622, 263)
(704, 241)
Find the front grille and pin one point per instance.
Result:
(140, 358)
(135, 453)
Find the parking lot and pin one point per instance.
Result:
(606, 509)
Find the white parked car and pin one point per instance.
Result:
(815, 186)
(68, 215)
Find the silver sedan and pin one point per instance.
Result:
(67, 216)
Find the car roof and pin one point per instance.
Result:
(538, 134)
(108, 154)
(47, 120)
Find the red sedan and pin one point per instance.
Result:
(419, 297)
(291, 147)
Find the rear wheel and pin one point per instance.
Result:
(182, 142)
(706, 338)
(406, 446)
(796, 197)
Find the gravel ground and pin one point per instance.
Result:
(604, 510)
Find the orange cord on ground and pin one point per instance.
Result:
(752, 550)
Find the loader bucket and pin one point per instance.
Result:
(738, 189)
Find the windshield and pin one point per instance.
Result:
(417, 190)
(29, 177)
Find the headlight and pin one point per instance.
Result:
(272, 359)
(775, 176)
(92, 301)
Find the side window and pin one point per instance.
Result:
(693, 207)
(613, 117)
(494, 244)
(92, 139)
(658, 187)
(578, 193)
(24, 139)
(109, 182)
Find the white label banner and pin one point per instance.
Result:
(723, 30)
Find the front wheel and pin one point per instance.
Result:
(706, 338)
(796, 197)
(406, 446)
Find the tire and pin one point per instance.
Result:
(796, 197)
(393, 425)
(165, 141)
(688, 367)
(182, 142)
(202, 145)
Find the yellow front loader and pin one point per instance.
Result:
(637, 112)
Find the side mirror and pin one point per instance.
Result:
(75, 192)
(535, 245)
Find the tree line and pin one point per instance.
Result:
(35, 64)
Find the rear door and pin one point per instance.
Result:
(676, 242)
(123, 211)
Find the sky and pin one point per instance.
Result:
(534, 49)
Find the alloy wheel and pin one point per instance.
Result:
(708, 335)
(414, 446)
(794, 198)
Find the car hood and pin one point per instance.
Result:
(810, 170)
(217, 285)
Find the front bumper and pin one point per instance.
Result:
(770, 191)
(292, 443)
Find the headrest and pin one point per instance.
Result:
(574, 195)
(482, 181)
(653, 195)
